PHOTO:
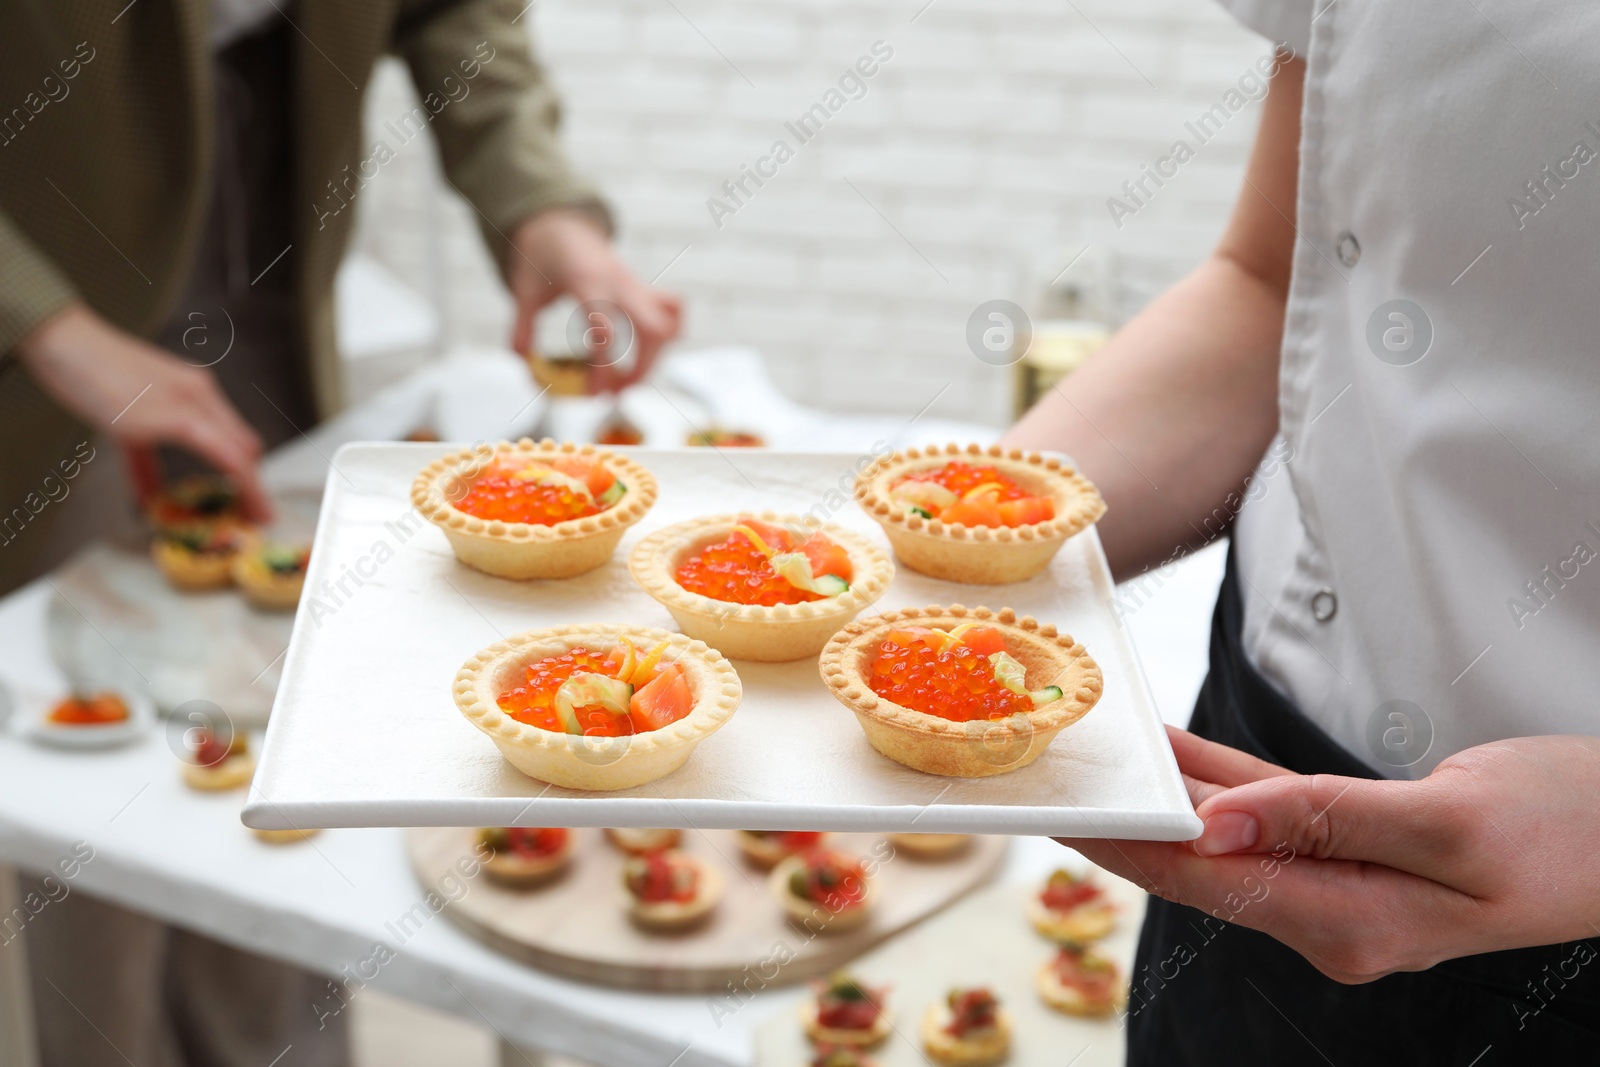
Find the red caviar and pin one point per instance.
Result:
(912, 669)
(538, 492)
(984, 496)
(660, 694)
(737, 570)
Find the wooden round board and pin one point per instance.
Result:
(578, 926)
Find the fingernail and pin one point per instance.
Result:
(1227, 831)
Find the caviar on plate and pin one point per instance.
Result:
(766, 564)
(623, 691)
(970, 495)
(960, 674)
(542, 492)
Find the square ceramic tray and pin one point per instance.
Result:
(365, 733)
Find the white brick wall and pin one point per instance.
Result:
(990, 141)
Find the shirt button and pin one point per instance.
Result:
(1324, 604)
(1348, 248)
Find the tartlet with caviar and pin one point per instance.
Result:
(1071, 909)
(526, 856)
(761, 587)
(844, 1011)
(271, 574)
(823, 890)
(965, 692)
(983, 516)
(216, 763)
(768, 848)
(969, 1028)
(533, 510)
(670, 890)
(1080, 981)
(597, 706)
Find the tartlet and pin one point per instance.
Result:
(768, 848)
(199, 557)
(581, 761)
(638, 842)
(972, 1046)
(524, 550)
(769, 634)
(1080, 981)
(526, 856)
(844, 906)
(670, 890)
(214, 765)
(1071, 910)
(270, 575)
(931, 846)
(845, 1012)
(286, 837)
(981, 747)
(982, 554)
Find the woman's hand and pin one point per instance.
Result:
(563, 251)
(141, 396)
(1498, 848)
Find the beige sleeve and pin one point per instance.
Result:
(32, 288)
(493, 112)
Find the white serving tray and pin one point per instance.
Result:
(365, 733)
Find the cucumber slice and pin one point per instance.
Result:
(588, 690)
(611, 495)
(795, 568)
(923, 512)
(1011, 674)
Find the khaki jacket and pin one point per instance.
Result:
(106, 135)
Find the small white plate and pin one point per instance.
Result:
(364, 731)
(38, 728)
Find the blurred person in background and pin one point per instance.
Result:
(168, 165)
(1395, 753)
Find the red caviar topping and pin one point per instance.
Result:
(736, 571)
(913, 670)
(536, 492)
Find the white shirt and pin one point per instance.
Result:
(1434, 537)
(233, 20)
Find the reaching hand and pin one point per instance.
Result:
(562, 251)
(142, 396)
(1498, 848)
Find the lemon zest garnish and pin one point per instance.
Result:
(979, 490)
(755, 539)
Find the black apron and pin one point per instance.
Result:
(1526, 1006)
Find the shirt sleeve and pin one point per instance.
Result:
(495, 114)
(32, 288)
(1287, 21)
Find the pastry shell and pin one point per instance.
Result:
(637, 842)
(979, 1050)
(595, 763)
(526, 872)
(930, 846)
(286, 837)
(805, 913)
(765, 853)
(192, 571)
(264, 587)
(669, 915)
(974, 749)
(1070, 1001)
(980, 555)
(774, 634)
(529, 550)
(1072, 926)
(230, 772)
(871, 1037)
